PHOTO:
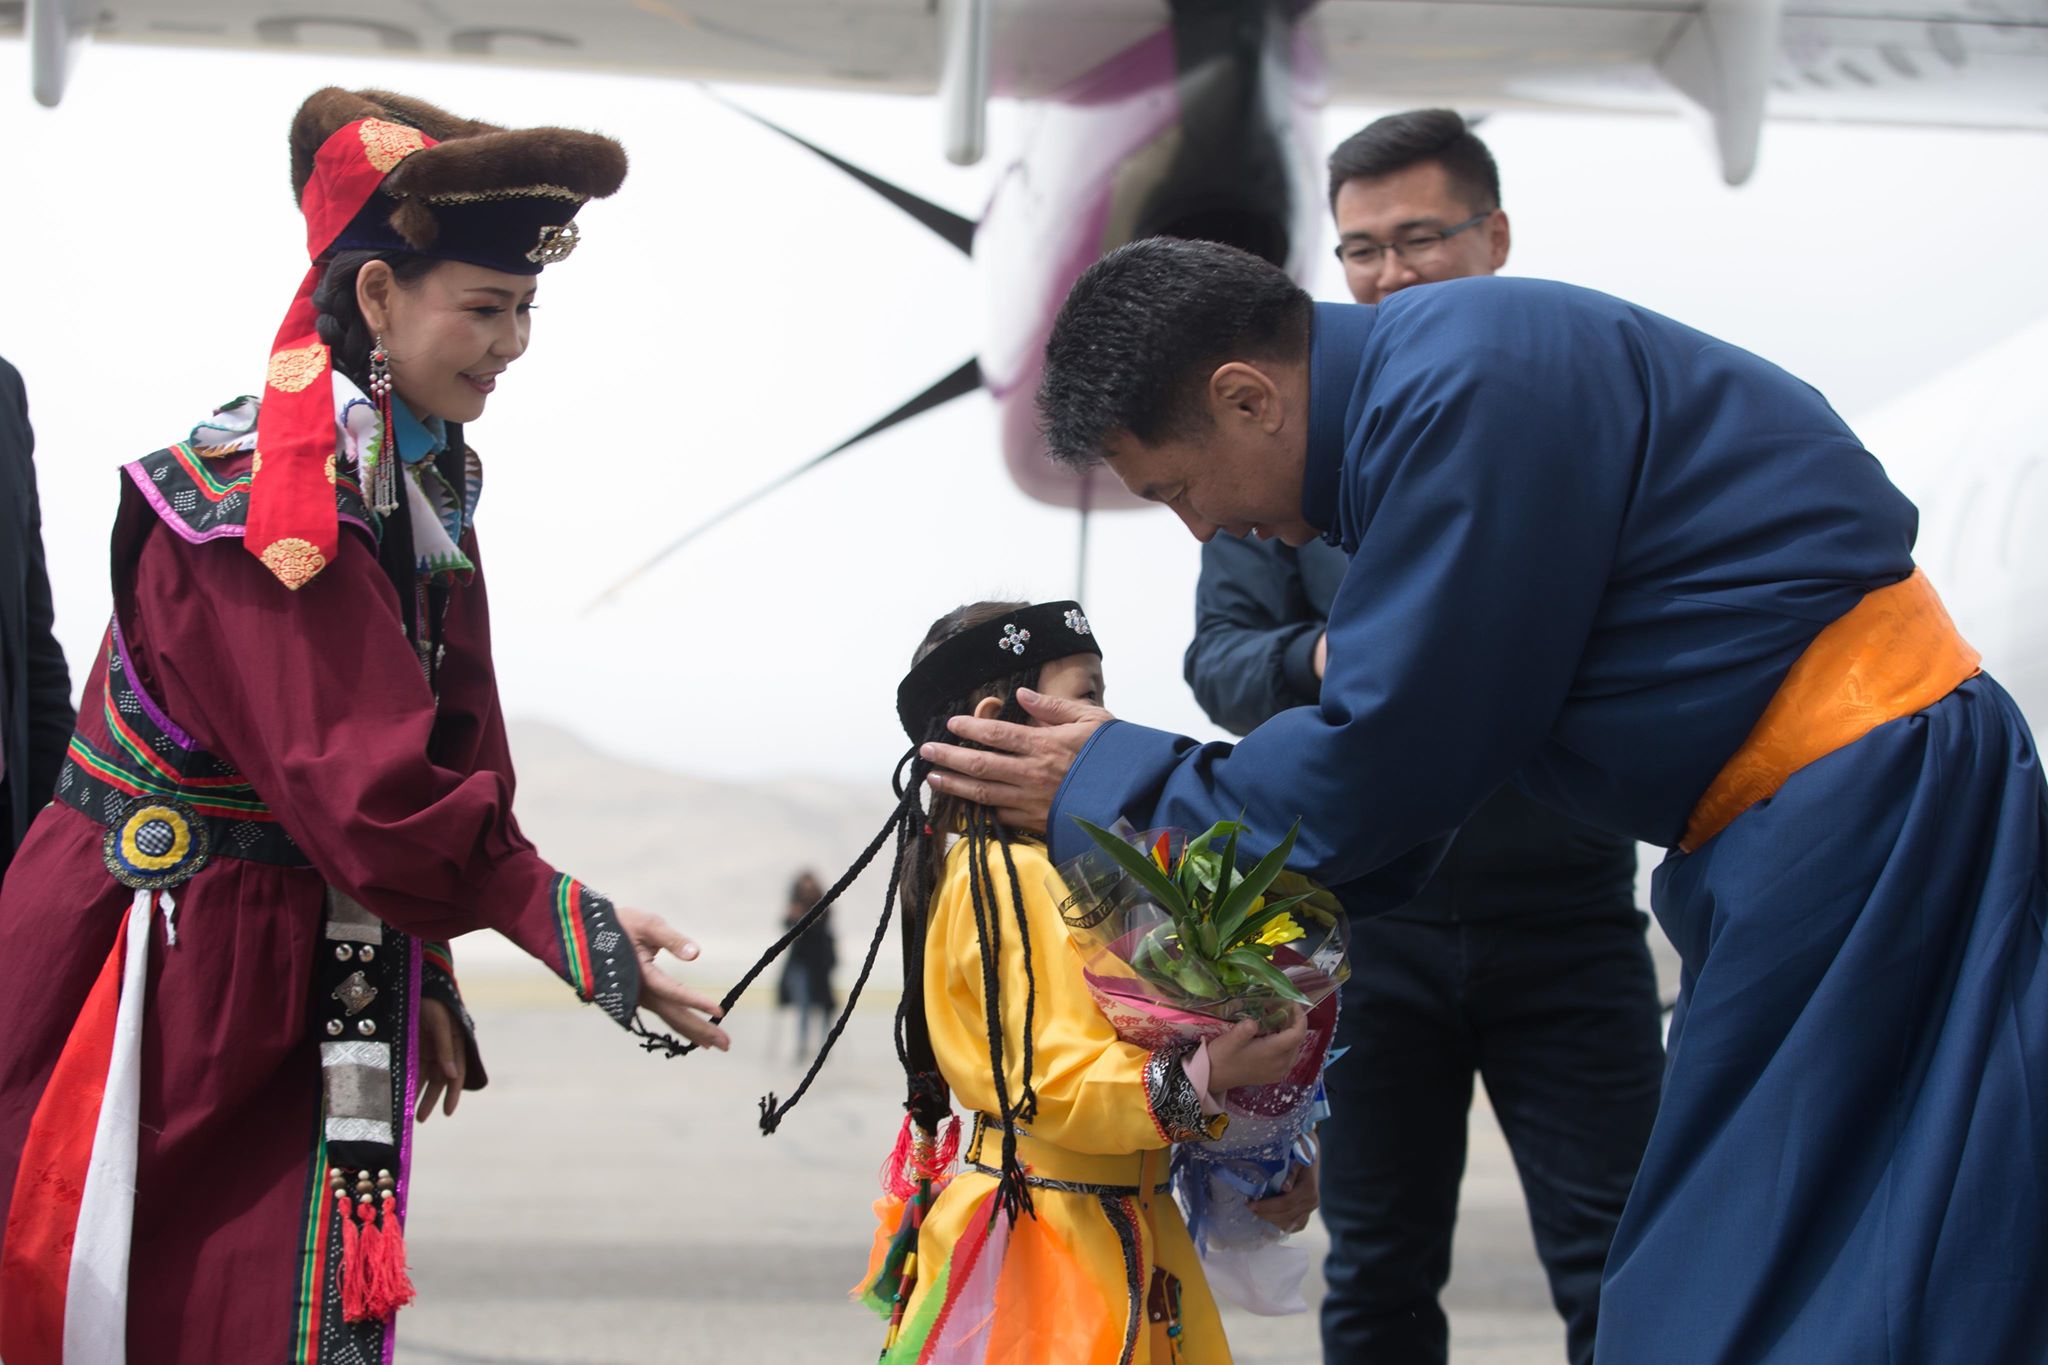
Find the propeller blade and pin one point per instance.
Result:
(959, 383)
(954, 228)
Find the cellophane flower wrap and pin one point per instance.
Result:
(1177, 944)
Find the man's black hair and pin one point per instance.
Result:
(1144, 328)
(1398, 141)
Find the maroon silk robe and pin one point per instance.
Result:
(401, 801)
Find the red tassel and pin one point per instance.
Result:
(895, 1175)
(391, 1285)
(372, 1242)
(949, 1150)
(354, 1275)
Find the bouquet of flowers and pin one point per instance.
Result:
(1177, 945)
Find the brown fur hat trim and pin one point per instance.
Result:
(585, 164)
(325, 113)
(416, 223)
(472, 157)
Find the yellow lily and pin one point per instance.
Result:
(1282, 929)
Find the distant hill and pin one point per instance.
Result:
(715, 858)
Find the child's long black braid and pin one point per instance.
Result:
(915, 875)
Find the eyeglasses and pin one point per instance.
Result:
(1416, 246)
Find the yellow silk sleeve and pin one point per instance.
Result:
(1090, 1084)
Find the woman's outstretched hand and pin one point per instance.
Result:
(690, 1013)
(1020, 770)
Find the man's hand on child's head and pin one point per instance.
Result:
(1020, 771)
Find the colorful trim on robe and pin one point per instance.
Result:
(193, 500)
(591, 944)
(146, 754)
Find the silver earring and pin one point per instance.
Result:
(380, 371)
(383, 489)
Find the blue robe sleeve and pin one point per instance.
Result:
(1484, 484)
(1255, 634)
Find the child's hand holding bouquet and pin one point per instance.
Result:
(1179, 948)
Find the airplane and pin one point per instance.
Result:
(1167, 117)
(1970, 448)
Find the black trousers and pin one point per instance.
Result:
(1560, 1017)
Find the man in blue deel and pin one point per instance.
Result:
(1657, 582)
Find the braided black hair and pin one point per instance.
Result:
(919, 866)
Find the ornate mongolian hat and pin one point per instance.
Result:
(381, 172)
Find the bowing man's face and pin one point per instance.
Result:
(1235, 466)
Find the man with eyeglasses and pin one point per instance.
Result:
(1523, 959)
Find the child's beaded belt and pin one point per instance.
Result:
(1893, 653)
(1052, 1167)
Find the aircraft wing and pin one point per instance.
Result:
(1975, 63)
(1039, 47)
(1967, 63)
(1964, 63)
(866, 44)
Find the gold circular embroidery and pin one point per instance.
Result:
(330, 469)
(387, 144)
(294, 561)
(171, 822)
(256, 464)
(291, 371)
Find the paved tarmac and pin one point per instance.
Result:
(598, 1206)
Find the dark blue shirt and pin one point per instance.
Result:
(1587, 543)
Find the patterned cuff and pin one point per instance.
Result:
(437, 982)
(1175, 1104)
(597, 958)
(1196, 1064)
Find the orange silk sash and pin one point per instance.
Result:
(1894, 653)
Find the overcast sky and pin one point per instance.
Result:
(739, 307)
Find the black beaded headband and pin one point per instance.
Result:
(1009, 644)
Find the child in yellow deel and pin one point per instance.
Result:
(1051, 1238)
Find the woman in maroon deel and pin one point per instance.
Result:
(229, 990)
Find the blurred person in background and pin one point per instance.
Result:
(806, 982)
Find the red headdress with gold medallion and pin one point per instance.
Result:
(382, 172)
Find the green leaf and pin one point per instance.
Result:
(1141, 866)
(1269, 977)
(1237, 906)
(1197, 873)
(1229, 869)
(1151, 954)
(1199, 845)
(1196, 978)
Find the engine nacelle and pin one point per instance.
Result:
(1208, 129)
